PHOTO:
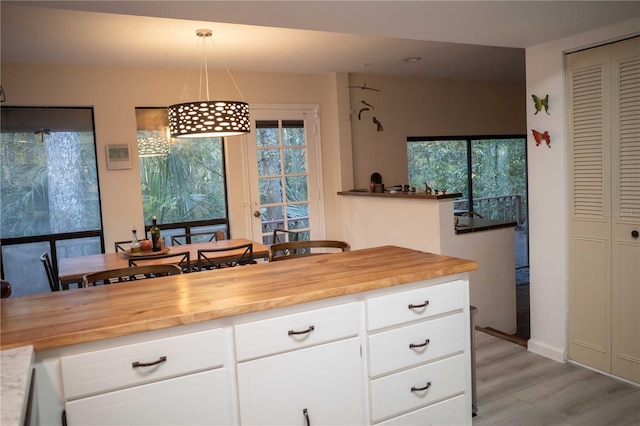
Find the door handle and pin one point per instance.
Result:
(256, 213)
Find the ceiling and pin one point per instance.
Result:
(471, 40)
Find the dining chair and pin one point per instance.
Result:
(212, 259)
(6, 289)
(182, 259)
(121, 245)
(132, 273)
(293, 249)
(177, 240)
(54, 282)
(283, 235)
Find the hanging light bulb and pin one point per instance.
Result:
(207, 118)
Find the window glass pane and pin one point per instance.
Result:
(267, 133)
(499, 177)
(270, 190)
(78, 247)
(295, 161)
(272, 218)
(298, 216)
(183, 180)
(48, 177)
(441, 164)
(296, 188)
(293, 132)
(268, 162)
(23, 268)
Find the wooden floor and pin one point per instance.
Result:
(517, 387)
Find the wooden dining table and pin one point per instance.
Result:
(72, 269)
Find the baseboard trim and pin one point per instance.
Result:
(509, 337)
(546, 351)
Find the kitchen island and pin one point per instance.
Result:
(232, 346)
(426, 223)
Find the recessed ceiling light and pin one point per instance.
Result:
(412, 59)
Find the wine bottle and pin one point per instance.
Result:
(155, 235)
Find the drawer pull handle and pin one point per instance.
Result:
(415, 389)
(149, 364)
(308, 330)
(424, 305)
(419, 345)
(306, 417)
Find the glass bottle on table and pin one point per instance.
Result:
(135, 244)
(155, 235)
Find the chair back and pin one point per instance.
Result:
(197, 237)
(293, 249)
(182, 259)
(121, 245)
(6, 289)
(225, 257)
(284, 235)
(54, 282)
(130, 274)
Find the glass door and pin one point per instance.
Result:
(284, 175)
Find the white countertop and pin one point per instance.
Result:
(15, 376)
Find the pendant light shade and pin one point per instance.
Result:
(209, 118)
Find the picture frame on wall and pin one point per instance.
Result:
(118, 157)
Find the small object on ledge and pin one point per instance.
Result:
(427, 189)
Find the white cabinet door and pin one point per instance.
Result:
(321, 385)
(195, 399)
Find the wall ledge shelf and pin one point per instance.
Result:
(420, 196)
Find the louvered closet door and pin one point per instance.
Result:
(603, 93)
(589, 154)
(625, 216)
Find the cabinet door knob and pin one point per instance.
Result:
(425, 387)
(419, 345)
(308, 330)
(149, 364)
(634, 234)
(423, 305)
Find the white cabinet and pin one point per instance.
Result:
(315, 381)
(419, 356)
(195, 399)
(396, 355)
(177, 380)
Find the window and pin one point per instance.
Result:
(183, 180)
(490, 172)
(49, 191)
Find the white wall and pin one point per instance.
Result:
(425, 107)
(548, 187)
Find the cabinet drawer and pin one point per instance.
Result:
(289, 332)
(450, 412)
(398, 308)
(94, 372)
(390, 350)
(393, 394)
(195, 399)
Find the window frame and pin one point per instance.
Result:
(186, 226)
(52, 239)
(469, 139)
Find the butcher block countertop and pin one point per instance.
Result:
(82, 315)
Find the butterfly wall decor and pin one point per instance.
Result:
(539, 137)
(541, 103)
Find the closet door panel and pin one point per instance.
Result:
(625, 57)
(589, 159)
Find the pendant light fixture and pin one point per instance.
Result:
(207, 118)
